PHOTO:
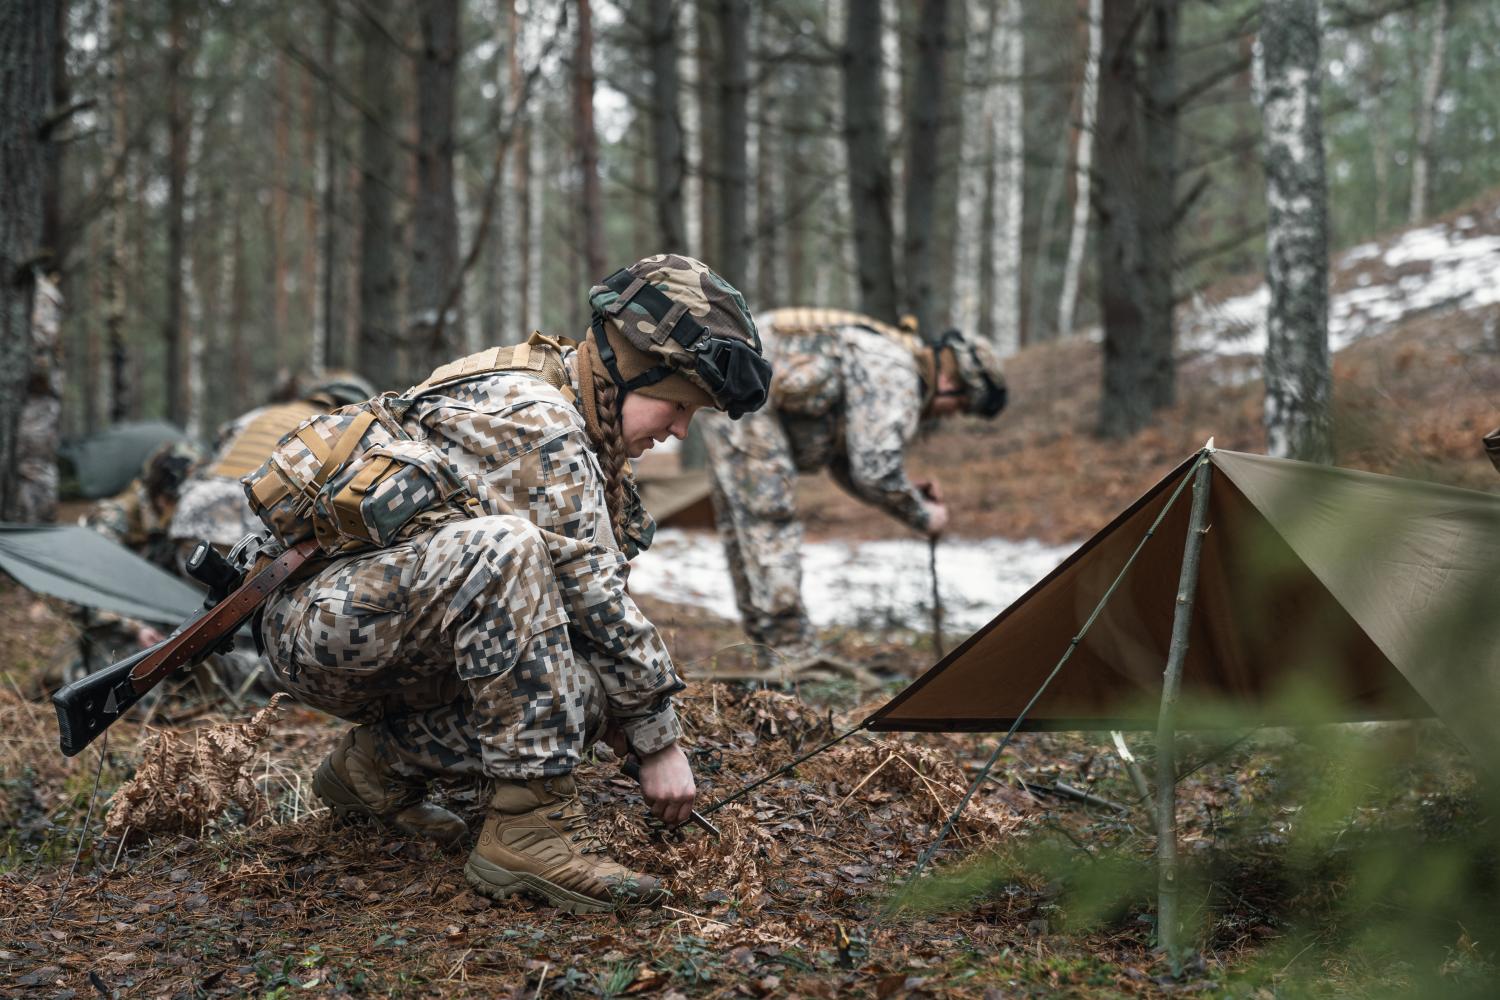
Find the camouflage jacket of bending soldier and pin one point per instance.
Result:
(850, 399)
(528, 446)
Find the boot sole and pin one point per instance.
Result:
(491, 880)
(346, 805)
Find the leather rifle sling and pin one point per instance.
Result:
(223, 618)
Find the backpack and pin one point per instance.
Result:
(355, 479)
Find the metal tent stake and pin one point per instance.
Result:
(1167, 887)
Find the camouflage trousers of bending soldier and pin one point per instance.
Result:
(453, 646)
(754, 481)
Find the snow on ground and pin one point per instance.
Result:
(1375, 287)
(868, 584)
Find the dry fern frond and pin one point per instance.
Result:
(180, 787)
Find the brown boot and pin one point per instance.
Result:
(536, 839)
(356, 780)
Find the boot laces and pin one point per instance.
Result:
(579, 830)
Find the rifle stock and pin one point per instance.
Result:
(86, 707)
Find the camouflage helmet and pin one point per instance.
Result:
(167, 468)
(340, 388)
(682, 319)
(978, 368)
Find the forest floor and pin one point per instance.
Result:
(1338, 862)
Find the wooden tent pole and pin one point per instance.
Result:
(1167, 887)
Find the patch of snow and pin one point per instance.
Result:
(882, 583)
(1463, 272)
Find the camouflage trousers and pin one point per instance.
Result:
(454, 646)
(754, 479)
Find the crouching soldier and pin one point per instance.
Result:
(850, 394)
(499, 646)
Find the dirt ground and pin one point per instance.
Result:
(274, 898)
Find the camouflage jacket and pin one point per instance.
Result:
(129, 519)
(528, 446)
(850, 400)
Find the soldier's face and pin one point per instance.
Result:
(647, 422)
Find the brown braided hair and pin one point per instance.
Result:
(609, 444)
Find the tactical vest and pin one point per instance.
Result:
(355, 479)
(247, 450)
(804, 321)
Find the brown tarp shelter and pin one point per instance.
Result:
(1376, 591)
(678, 499)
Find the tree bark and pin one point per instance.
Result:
(282, 348)
(666, 125)
(26, 65)
(924, 126)
(1298, 376)
(435, 337)
(335, 353)
(586, 148)
(1432, 89)
(1088, 107)
(975, 174)
(733, 94)
(378, 356)
(178, 124)
(119, 154)
(53, 229)
(1009, 184)
(1158, 198)
(870, 189)
(1124, 406)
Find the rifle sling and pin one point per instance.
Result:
(204, 633)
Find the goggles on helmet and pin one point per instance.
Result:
(729, 369)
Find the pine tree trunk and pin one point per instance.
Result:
(119, 232)
(334, 303)
(53, 247)
(1124, 406)
(1088, 107)
(379, 355)
(178, 124)
(1298, 377)
(733, 257)
(586, 148)
(924, 126)
(1432, 89)
(435, 331)
(870, 190)
(280, 270)
(666, 124)
(1158, 197)
(26, 59)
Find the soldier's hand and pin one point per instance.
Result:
(937, 519)
(667, 784)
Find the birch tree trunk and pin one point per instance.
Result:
(686, 19)
(1088, 107)
(869, 171)
(1432, 89)
(666, 125)
(924, 126)
(1010, 173)
(26, 58)
(1298, 379)
(379, 349)
(975, 173)
(586, 147)
(435, 331)
(733, 259)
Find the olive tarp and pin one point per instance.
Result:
(81, 566)
(1378, 592)
(102, 464)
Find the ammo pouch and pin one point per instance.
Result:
(355, 479)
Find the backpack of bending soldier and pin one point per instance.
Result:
(355, 479)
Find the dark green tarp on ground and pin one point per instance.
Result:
(82, 566)
(1382, 594)
(104, 463)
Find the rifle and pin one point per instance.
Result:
(89, 705)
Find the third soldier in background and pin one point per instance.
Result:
(849, 395)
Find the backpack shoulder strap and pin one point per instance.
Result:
(254, 442)
(540, 357)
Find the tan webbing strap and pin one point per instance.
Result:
(253, 444)
(314, 442)
(269, 490)
(343, 447)
(520, 356)
(807, 320)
